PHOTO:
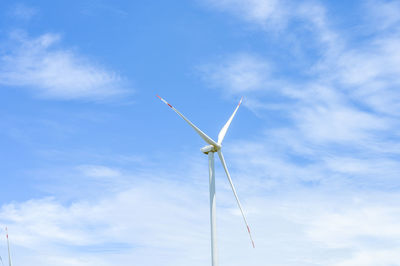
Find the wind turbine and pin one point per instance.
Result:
(8, 245)
(210, 149)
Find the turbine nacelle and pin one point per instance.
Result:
(210, 148)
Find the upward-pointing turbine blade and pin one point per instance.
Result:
(221, 157)
(201, 133)
(223, 131)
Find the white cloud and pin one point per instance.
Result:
(368, 227)
(238, 74)
(338, 123)
(56, 73)
(149, 217)
(373, 257)
(279, 15)
(153, 220)
(342, 228)
(343, 106)
(383, 15)
(372, 74)
(329, 160)
(267, 13)
(377, 61)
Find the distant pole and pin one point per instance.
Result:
(8, 244)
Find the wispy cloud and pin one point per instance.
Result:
(384, 12)
(24, 12)
(240, 73)
(265, 13)
(320, 188)
(170, 219)
(98, 171)
(52, 72)
(127, 225)
(347, 96)
(340, 133)
(366, 226)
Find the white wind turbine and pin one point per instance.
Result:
(8, 245)
(210, 149)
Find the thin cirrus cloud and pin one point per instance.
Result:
(265, 13)
(344, 108)
(386, 12)
(98, 171)
(23, 12)
(340, 134)
(239, 73)
(54, 73)
(336, 85)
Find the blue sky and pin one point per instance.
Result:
(97, 171)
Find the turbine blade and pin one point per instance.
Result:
(221, 157)
(201, 133)
(223, 131)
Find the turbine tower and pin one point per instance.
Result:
(210, 149)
